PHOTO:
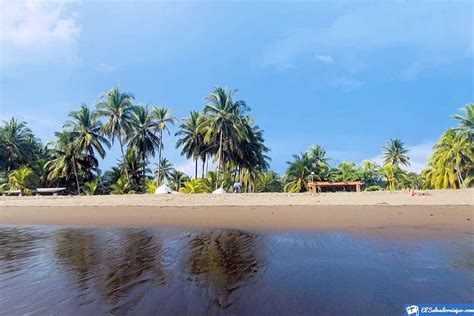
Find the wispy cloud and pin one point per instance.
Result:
(36, 31)
(328, 59)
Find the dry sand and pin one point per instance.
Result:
(435, 213)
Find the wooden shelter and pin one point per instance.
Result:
(318, 185)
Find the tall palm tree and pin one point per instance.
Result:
(163, 118)
(86, 132)
(298, 172)
(165, 170)
(191, 138)
(68, 159)
(451, 162)
(466, 122)
(223, 120)
(117, 108)
(142, 134)
(395, 153)
(16, 142)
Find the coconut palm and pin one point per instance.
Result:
(142, 135)
(69, 160)
(90, 188)
(297, 173)
(223, 121)
(15, 144)
(466, 122)
(391, 174)
(163, 118)
(22, 179)
(451, 162)
(116, 108)
(177, 178)
(395, 153)
(268, 181)
(165, 170)
(318, 156)
(86, 131)
(191, 138)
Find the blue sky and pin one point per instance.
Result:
(346, 75)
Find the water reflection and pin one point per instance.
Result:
(223, 261)
(89, 271)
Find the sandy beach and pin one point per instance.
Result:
(394, 213)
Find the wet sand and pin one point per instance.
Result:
(432, 213)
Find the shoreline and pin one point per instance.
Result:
(444, 214)
(391, 221)
(400, 198)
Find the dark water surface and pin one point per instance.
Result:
(167, 271)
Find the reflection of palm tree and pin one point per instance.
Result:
(77, 250)
(135, 270)
(223, 261)
(16, 246)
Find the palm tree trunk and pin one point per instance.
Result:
(195, 168)
(77, 178)
(144, 168)
(159, 158)
(219, 160)
(123, 155)
(203, 163)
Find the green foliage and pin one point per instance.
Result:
(177, 178)
(22, 179)
(373, 188)
(195, 186)
(90, 188)
(122, 186)
(150, 186)
(268, 181)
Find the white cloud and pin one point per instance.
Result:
(37, 31)
(419, 155)
(328, 59)
(187, 167)
(428, 34)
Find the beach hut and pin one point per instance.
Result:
(219, 191)
(163, 189)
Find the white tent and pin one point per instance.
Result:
(219, 191)
(163, 189)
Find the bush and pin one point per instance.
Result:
(374, 188)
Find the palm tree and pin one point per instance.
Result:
(90, 187)
(15, 141)
(318, 155)
(22, 179)
(298, 172)
(395, 153)
(163, 119)
(142, 135)
(191, 138)
(86, 132)
(466, 122)
(68, 159)
(122, 186)
(268, 181)
(117, 108)
(223, 121)
(451, 162)
(391, 173)
(165, 170)
(177, 178)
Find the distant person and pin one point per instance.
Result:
(237, 187)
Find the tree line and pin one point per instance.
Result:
(223, 141)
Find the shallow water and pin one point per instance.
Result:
(90, 271)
